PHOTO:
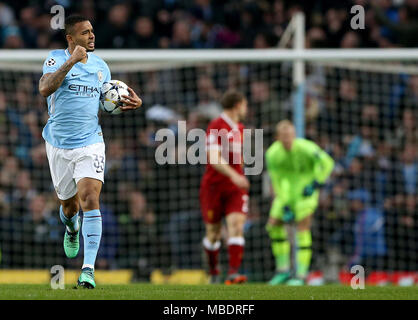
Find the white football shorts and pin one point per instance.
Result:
(68, 166)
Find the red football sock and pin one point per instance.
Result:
(236, 252)
(212, 252)
(213, 261)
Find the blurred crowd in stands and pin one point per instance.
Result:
(368, 212)
(200, 24)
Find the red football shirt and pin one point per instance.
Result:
(227, 136)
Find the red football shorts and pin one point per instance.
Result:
(219, 200)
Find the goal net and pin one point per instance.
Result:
(360, 107)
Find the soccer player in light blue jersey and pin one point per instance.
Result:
(71, 80)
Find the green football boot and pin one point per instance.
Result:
(86, 279)
(295, 282)
(72, 242)
(279, 278)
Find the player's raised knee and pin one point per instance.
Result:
(71, 206)
(70, 209)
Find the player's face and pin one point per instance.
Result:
(83, 35)
(286, 136)
(243, 109)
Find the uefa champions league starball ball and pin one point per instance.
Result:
(110, 96)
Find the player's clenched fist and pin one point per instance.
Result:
(79, 53)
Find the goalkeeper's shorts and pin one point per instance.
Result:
(301, 207)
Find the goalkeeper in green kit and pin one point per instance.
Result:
(297, 168)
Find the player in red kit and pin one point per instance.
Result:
(224, 188)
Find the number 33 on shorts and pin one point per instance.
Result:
(99, 162)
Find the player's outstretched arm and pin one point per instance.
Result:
(130, 102)
(50, 82)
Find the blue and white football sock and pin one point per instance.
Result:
(92, 233)
(71, 224)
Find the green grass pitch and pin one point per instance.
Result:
(207, 292)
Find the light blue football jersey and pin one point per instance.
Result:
(73, 108)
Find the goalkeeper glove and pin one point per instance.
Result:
(288, 215)
(310, 189)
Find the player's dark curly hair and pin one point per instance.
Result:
(70, 21)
